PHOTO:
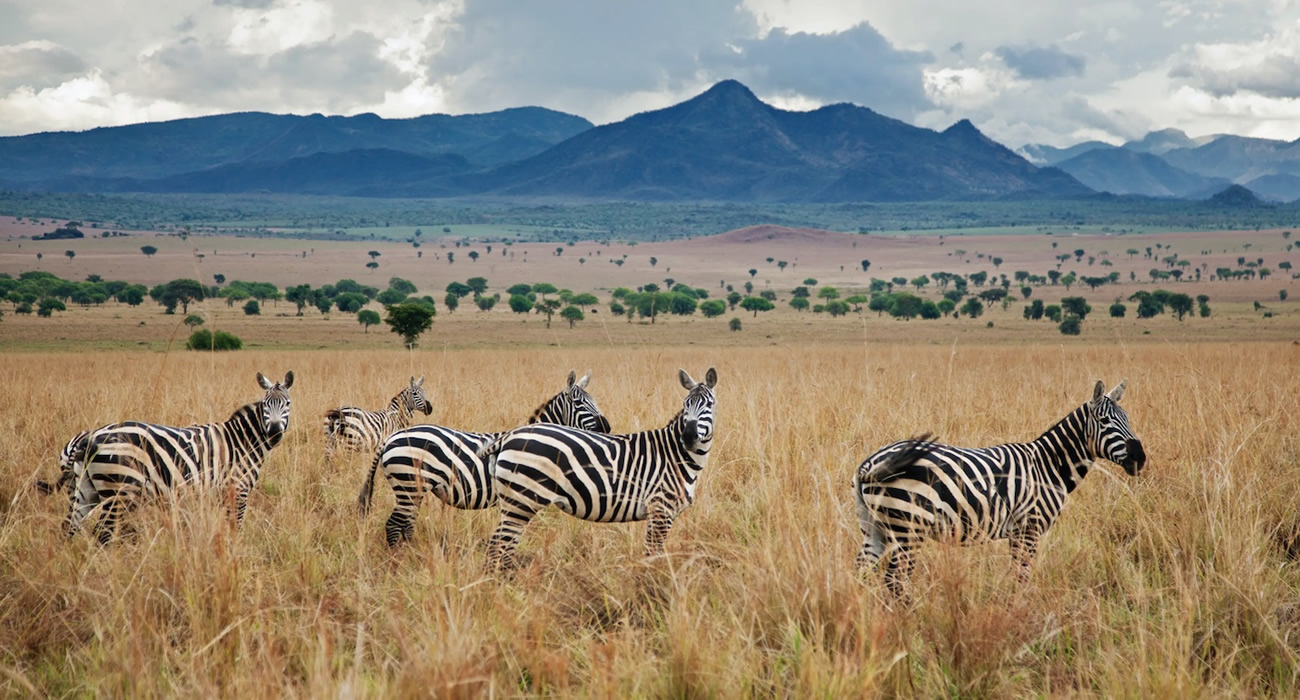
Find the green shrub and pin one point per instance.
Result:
(1070, 325)
(204, 339)
(252, 308)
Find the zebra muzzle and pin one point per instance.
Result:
(1137, 457)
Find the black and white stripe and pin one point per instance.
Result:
(603, 478)
(442, 461)
(69, 464)
(122, 463)
(359, 430)
(915, 490)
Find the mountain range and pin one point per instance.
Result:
(1168, 163)
(722, 145)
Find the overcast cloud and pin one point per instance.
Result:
(1021, 70)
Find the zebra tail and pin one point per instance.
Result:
(490, 450)
(898, 462)
(46, 487)
(368, 487)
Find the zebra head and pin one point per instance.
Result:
(274, 407)
(581, 407)
(697, 410)
(1109, 434)
(415, 399)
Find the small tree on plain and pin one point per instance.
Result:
(734, 324)
(252, 308)
(1070, 325)
(410, 320)
(149, 251)
(71, 254)
(572, 314)
(1117, 310)
(368, 318)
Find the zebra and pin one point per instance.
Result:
(650, 475)
(915, 490)
(352, 428)
(68, 465)
(433, 459)
(122, 463)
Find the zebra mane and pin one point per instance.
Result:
(546, 406)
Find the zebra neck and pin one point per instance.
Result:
(549, 412)
(690, 459)
(398, 406)
(1063, 450)
(245, 435)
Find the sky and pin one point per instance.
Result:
(1024, 71)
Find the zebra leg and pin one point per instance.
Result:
(107, 526)
(401, 522)
(897, 572)
(658, 525)
(240, 503)
(873, 547)
(505, 539)
(1024, 547)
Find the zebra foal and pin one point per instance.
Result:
(915, 490)
(602, 478)
(432, 459)
(122, 463)
(356, 429)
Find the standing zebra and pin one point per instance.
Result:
(352, 428)
(433, 459)
(915, 490)
(603, 478)
(124, 462)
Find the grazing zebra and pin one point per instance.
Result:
(352, 428)
(603, 478)
(433, 459)
(123, 462)
(68, 465)
(915, 490)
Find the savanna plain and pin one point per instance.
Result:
(1182, 581)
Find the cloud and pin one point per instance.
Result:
(333, 75)
(1033, 63)
(855, 65)
(37, 65)
(247, 4)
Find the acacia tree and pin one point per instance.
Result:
(148, 250)
(409, 320)
(756, 304)
(572, 314)
(368, 318)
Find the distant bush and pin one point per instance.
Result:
(204, 339)
(1071, 325)
(251, 308)
(1117, 310)
(734, 324)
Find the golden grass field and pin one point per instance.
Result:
(1182, 582)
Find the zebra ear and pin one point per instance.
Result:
(288, 379)
(711, 378)
(686, 380)
(420, 382)
(1098, 391)
(1117, 393)
(263, 382)
(582, 383)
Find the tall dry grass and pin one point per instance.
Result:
(1182, 581)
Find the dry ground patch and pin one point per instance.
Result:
(708, 262)
(1183, 581)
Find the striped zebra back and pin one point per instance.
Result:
(650, 475)
(426, 459)
(905, 494)
(124, 462)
